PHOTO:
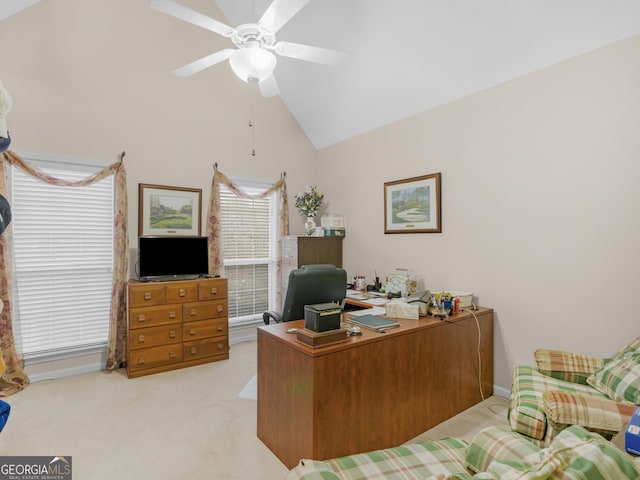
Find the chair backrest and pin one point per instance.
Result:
(311, 284)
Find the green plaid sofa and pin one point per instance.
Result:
(495, 453)
(571, 389)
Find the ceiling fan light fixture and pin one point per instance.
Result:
(252, 63)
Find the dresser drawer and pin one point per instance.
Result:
(204, 310)
(204, 329)
(142, 294)
(205, 348)
(212, 289)
(155, 356)
(155, 336)
(153, 316)
(183, 292)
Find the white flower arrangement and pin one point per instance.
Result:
(310, 201)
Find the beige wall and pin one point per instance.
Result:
(91, 78)
(540, 203)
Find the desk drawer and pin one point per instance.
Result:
(155, 336)
(204, 310)
(155, 356)
(154, 316)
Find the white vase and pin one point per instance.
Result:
(310, 226)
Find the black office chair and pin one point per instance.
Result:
(309, 285)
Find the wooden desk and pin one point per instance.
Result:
(373, 391)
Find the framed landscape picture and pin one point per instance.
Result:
(412, 205)
(164, 211)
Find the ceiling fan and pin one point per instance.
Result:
(253, 59)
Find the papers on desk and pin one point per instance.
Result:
(357, 294)
(367, 311)
(376, 301)
(371, 298)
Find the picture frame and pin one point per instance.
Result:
(412, 205)
(168, 211)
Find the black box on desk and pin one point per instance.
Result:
(322, 317)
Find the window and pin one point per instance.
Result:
(249, 246)
(63, 247)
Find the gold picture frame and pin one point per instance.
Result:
(412, 205)
(168, 211)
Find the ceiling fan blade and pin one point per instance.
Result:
(280, 12)
(204, 62)
(188, 15)
(325, 56)
(269, 87)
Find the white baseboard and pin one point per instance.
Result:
(65, 368)
(233, 340)
(244, 333)
(501, 392)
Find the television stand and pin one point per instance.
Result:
(176, 324)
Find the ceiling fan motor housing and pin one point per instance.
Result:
(253, 32)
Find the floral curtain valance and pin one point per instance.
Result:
(213, 215)
(14, 378)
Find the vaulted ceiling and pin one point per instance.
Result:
(407, 56)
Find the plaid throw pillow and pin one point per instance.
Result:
(619, 379)
(502, 443)
(632, 349)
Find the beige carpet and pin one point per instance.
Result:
(188, 423)
(492, 411)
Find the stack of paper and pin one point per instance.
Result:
(465, 298)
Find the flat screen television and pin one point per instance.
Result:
(172, 257)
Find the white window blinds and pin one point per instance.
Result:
(63, 247)
(249, 247)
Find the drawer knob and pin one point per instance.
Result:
(220, 309)
(141, 317)
(141, 361)
(140, 338)
(214, 290)
(194, 350)
(147, 295)
(172, 355)
(193, 312)
(220, 346)
(182, 292)
(172, 334)
(192, 331)
(172, 314)
(219, 328)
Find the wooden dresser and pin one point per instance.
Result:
(176, 324)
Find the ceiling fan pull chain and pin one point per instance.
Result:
(253, 141)
(251, 126)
